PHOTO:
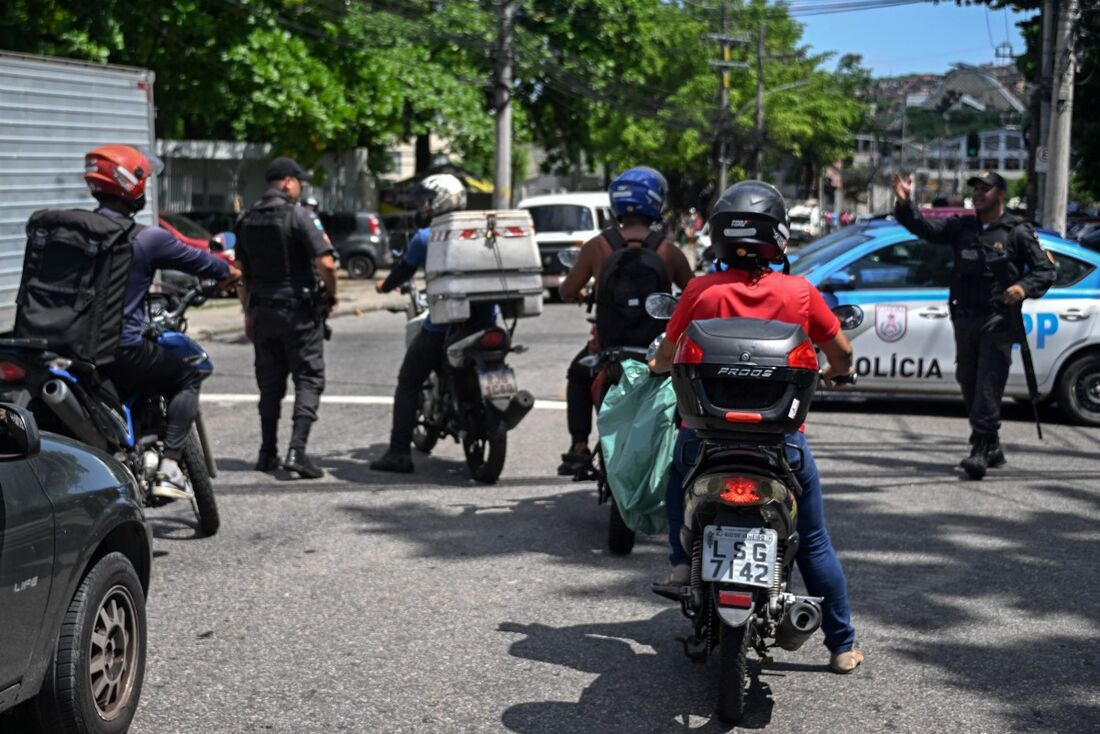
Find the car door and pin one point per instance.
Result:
(906, 343)
(26, 566)
(1059, 323)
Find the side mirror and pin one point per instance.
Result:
(850, 317)
(222, 242)
(19, 438)
(216, 245)
(661, 305)
(569, 256)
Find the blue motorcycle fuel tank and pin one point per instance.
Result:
(180, 345)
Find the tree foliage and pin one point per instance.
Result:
(601, 84)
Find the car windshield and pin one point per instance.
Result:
(185, 226)
(827, 248)
(561, 218)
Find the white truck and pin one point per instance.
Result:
(52, 112)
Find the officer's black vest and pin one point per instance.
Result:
(277, 258)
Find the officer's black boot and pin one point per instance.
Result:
(268, 460)
(296, 459)
(995, 457)
(976, 464)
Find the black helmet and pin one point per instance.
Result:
(750, 220)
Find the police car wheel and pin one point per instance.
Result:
(1079, 390)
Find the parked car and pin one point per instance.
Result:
(906, 343)
(361, 241)
(563, 221)
(193, 235)
(213, 221)
(75, 561)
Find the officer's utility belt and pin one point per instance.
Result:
(284, 302)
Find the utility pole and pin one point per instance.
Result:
(1061, 116)
(1048, 21)
(724, 66)
(759, 172)
(502, 160)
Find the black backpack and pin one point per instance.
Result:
(75, 271)
(629, 275)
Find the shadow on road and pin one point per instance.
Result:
(644, 681)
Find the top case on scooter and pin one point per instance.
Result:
(744, 377)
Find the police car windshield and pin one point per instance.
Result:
(825, 249)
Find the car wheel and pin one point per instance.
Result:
(94, 681)
(360, 267)
(1078, 390)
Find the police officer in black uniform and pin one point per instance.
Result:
(288, 287)
(998, 263)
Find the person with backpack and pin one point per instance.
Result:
(749, 229)
(117, 176)
(627, 263)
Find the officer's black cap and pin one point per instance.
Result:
(989, 178)
(283, 167)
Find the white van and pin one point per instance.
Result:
(562, 221)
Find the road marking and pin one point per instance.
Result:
(236, 397)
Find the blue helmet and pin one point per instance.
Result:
(640, 191)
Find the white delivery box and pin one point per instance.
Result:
(477, 256)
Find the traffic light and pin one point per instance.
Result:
(973, 145)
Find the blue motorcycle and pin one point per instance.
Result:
(67, 396)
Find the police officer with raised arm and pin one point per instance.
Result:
(991, 249)
(288, 287)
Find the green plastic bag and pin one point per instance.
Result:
(637, 436)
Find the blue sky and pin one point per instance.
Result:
(915, 38)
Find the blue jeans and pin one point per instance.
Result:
(816, 559)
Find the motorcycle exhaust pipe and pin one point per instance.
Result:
(68, 409)
(802, 620)
(518, 407)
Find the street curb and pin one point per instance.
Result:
(211, 333)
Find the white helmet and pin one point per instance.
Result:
(441, 193)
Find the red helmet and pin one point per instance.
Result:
(120, 171)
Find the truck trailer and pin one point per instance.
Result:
(52, 112)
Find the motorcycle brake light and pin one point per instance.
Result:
(687, 352)
(734, 599)
(803, 356)
(740, 491)
(491, 339)
(9, 372)
(372, 224)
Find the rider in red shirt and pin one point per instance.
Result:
(749, 228)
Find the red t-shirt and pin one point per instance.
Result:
(774, 296)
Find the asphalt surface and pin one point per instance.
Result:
(366, 602)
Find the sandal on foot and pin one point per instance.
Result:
(845, 662)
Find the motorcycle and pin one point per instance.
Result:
(743, 384)
(69, 397)
(475, 398)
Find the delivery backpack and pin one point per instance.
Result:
(629, 275)
(75, 271)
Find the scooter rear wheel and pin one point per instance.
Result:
(485, 456)
(732, 672)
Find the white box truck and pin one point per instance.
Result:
(52, 112)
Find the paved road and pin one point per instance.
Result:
(370, 603)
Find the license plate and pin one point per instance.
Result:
(739, 555)
(499, 383)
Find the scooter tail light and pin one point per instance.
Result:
(687, 351)
(740, 491)
(10, 371)
(803, 357)
(491, 339)
(734, 599)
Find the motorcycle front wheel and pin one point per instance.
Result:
(732, 672)
(485, 456)
(206, 506)
(425, 435)
(620, 538)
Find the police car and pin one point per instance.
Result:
(906, 343)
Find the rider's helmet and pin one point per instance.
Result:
(438, 194)
(120, 172)
(750, 222)
(639, 191)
